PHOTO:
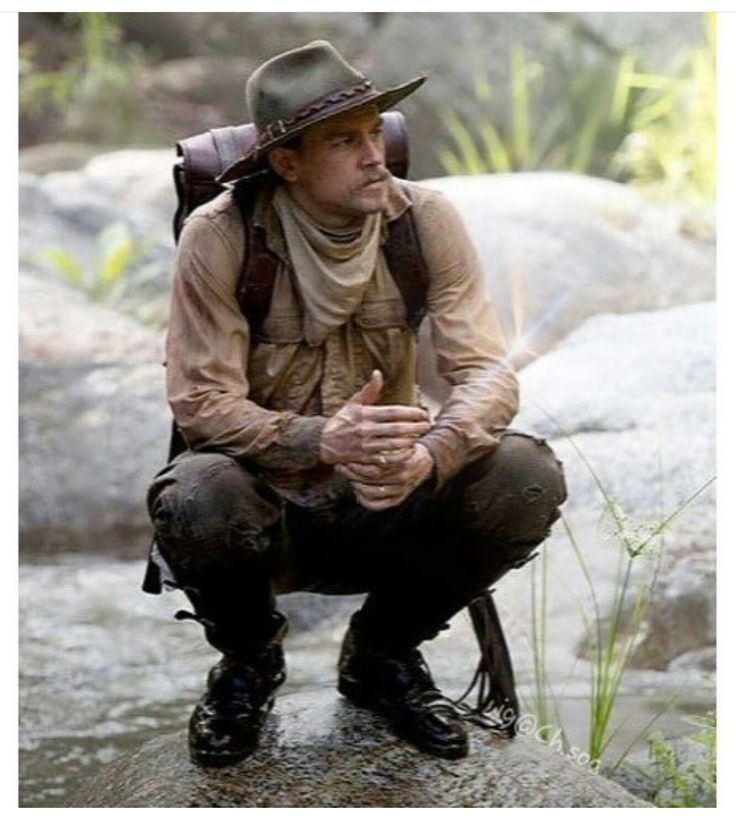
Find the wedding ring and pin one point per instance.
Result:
(382, 460)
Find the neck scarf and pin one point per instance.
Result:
(333, 268)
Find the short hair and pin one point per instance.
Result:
(294, 144)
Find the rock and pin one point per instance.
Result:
(62, 326)
(704, 659)
(636, 394)
(91, 439)
(628, 389)
(139, 180)
(681, 618)
(558, 248)
(56, 156)
(94, 422)
(635, 778)
(678, 632)
(320, 751)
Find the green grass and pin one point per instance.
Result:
(613, 631)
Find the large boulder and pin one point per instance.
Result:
(637, 395)
(557, 248)
(94, 423)
(680, 627)
(628, 403)
(319, 751)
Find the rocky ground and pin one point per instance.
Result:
(320, 751)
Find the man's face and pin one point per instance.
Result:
(338, 173)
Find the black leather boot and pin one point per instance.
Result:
(225, 725)
(396, 682)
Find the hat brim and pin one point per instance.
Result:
(254, 161)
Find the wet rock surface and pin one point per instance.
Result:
(320, 751)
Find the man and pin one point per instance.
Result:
(310, 464)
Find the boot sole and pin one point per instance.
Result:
(359, 697)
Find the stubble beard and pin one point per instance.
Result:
(370, 201)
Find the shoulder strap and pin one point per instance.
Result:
(407, 266)
(258, 272)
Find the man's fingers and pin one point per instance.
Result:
(361, 472)
(394, 412)
(379, 493)
(376, 445)
(393, 429)
(372, 474)
(385, 460)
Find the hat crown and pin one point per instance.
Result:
(288, 82)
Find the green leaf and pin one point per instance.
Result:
(62, 263)
(498, 157)
(519, 107)
(116, 249)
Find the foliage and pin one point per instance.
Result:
(575, 133)
(116, 255)
(614, 636)
(608, 119)
(685, 784)
(672, 139)
(92, 83)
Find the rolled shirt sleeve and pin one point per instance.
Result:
(468, 342)
(207, 350)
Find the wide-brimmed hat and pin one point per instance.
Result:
(299, 88)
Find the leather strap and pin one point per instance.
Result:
(407, 266)
(258, 273)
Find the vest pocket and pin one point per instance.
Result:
(281, 328)
(381, 313)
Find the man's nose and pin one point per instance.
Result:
(373, 152)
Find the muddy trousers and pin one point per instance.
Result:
(232, 544)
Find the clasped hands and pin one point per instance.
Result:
(377, 447)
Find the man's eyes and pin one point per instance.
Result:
(351, 139)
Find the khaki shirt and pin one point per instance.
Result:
(265, 397)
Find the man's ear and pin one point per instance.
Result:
(284, 163)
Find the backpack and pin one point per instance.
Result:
(202, 158)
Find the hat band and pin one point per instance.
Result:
(277, 128)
